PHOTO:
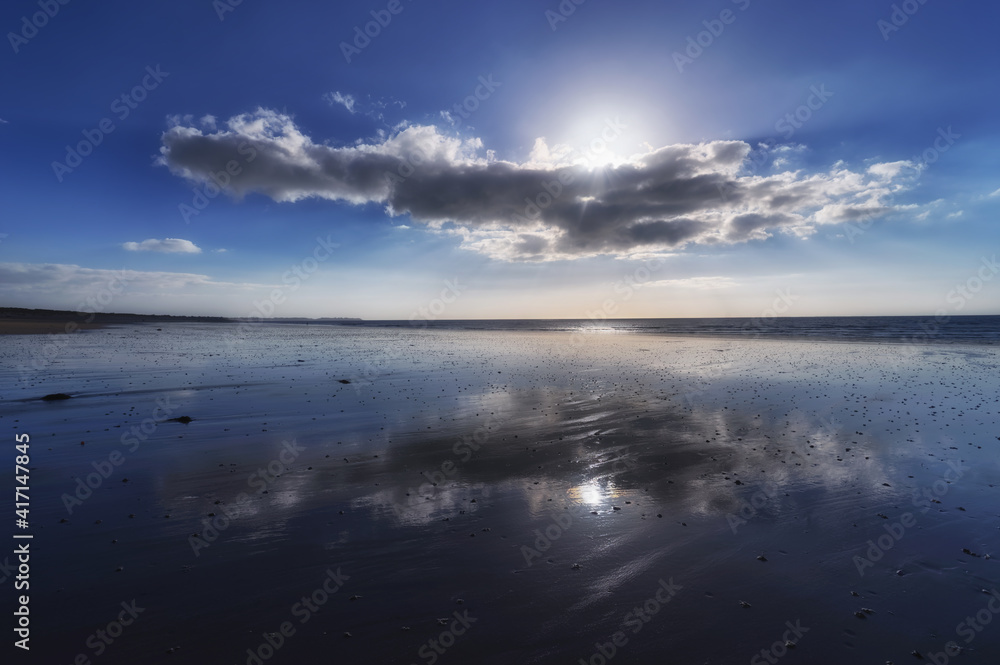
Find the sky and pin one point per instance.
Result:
(403, 159)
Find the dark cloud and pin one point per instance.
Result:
(541, 209)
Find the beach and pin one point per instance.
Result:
(395, 495)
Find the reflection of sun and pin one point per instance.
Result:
(592, 493)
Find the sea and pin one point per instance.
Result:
(893, 329)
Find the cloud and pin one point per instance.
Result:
(892, 170)
(996, 193)
(347, 101)
(69, 281)
(700, 283)
(373, 108)
(166, 246)
(553, 206)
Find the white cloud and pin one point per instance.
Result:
(996, 193)
(956, 215)
(552, 206)
(891, 170)
(166, 246)
(376, 109)
(699, 283)
(71, 281)
(347, 101)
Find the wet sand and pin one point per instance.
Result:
(685, 500)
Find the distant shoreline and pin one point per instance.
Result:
(22, 321)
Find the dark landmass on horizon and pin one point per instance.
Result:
(21, 320)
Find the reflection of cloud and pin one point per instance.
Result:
(421, 509)
(549, 207)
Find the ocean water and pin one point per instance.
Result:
(898, 329)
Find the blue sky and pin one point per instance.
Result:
(713, 155)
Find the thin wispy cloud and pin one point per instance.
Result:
(697, 283)
(164, 246)
(70, 280)
(549, 207)
(347, 101)
(373, 108)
